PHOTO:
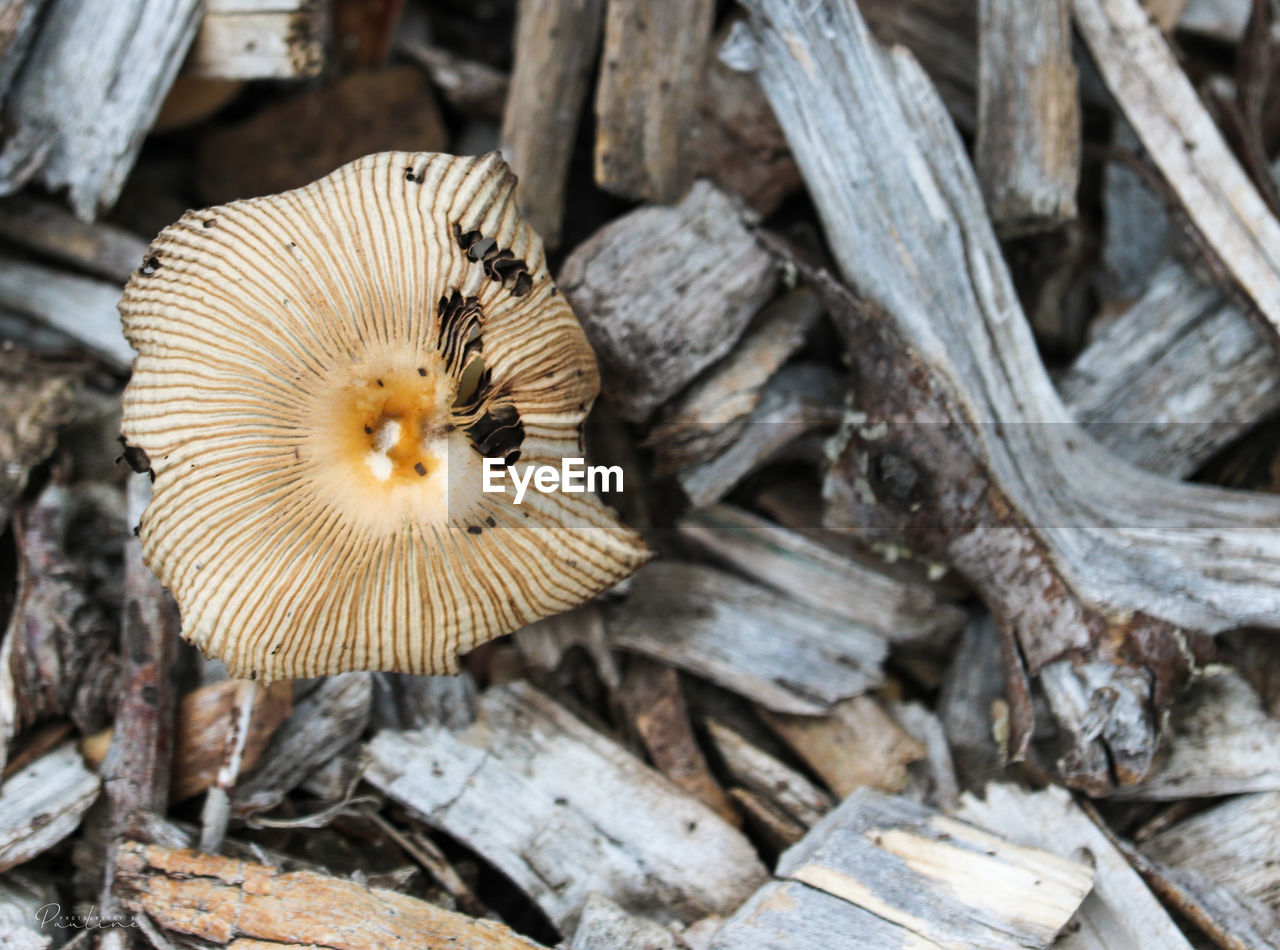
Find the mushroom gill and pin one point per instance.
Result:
(320, 377)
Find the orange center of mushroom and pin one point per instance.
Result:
(394, 424)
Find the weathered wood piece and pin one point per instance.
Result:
(788, 915)
(43, 803)
(812, 574)
(712, 413)
(1136, 231)
(858, 745)
(543, 644)
(1101, 571)
(63, 658)
(261, 39)
(1119, 912)
(220, 899)
(1027, 153)
(943, 879)
(934, 780)
(87, 94)
(1232, 920)
(102, 250)
(656, 711)
(654, 53)
(799, 399)
(18, 22)
(665, 292)
(555, 47)
(1221, 742)
(136, 771)
(510, 787)
(760, 773)
(83, 308)
(784, 655)
(325, 721)
(1232, 844)
(605, 924)
(1176, 377)
(739, 144)
(21, 924)
(971, 702)
(32, 406)
(1185, 144)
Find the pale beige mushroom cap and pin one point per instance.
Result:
(318, 502)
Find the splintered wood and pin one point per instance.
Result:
(1181, 138)
(945, 342)
(713, 624)
(694, 266)
(628, 833)
(654, 52)
(556, 46)
(261, 39)
(220, 899)
(1028, 149)
(43, 803)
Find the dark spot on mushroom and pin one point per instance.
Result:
(490, 522)
(419, 468)
(379, 384)
(465, 239)
(149, 266)
(135, 458)
(512, 457)
(137, 529)
(368, 430)
(523, 284)
(474, 529)
(209, 222)
(421, 371)
(409, 175)
(497, 433)
(555, 291)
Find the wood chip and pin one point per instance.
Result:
(1221, 742)
(1175, 378)
(82, 308)
(604, 924)
(101, 250)
(327, 720)
(1027, 153)
(1119, 911)
(656, 710)
(799, 399)
(654, 51)
(712, 413)
(1233, 845)
(859, 745)
(471, 87)
(43, 803)
(1223, 20)
(712, 624)
(32, 407)
(788, 915)
(810, 573)
(1185, 144)
(22, 905)
(665, 292)
(261, 39)
(768, 778)
(945, 880)
(87, 94)
(628, 833)
(219, 899)
(555, 47)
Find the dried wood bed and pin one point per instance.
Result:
(940, 350)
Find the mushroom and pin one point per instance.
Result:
(320, 377)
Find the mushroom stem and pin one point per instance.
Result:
(217, 803)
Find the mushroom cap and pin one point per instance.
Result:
(320, 377)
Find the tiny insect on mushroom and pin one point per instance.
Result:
(320, 377)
